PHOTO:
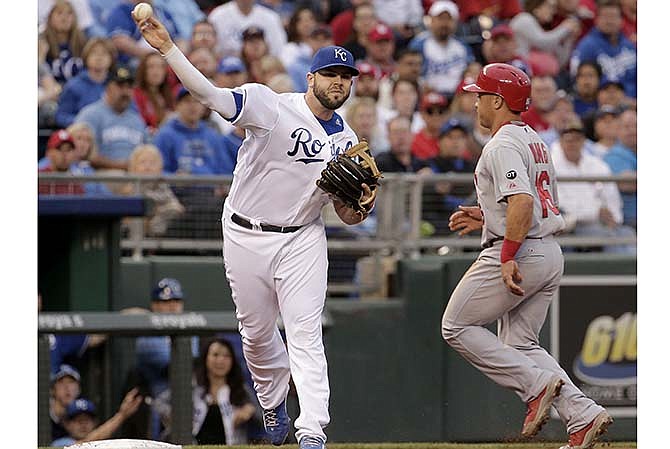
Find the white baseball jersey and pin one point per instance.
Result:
(281, 158)
(515, 161)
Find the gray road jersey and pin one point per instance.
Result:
(516, 161)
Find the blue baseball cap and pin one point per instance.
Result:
(79, 406)
(167, 289)
(182, 92)
(333, 56)
(453, 123)
(231, 64)
(64, 371)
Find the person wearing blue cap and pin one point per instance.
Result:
(65, 388)
(445, 197)
(81, 420)
(153, 353)
(231, 73)
(274, 245)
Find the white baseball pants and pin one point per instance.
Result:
(272, 273)
(514, 359)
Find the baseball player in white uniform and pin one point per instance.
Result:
(519, 270)
(274, 240)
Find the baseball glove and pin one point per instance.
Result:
(344, 175)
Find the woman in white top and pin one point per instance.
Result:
(222, 405)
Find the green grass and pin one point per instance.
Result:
(604, 445)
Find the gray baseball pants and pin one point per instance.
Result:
(514, 359)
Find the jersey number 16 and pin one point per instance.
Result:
(542, 183)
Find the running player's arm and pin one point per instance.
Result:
(519, 216)
(513, 186)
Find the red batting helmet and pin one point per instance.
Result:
(505, 80)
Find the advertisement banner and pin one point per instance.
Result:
(595, 340)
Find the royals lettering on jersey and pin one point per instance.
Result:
(311, 148)
(516, 161)
(285, 150)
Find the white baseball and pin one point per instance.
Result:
(143, 11)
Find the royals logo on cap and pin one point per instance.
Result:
(333, 56)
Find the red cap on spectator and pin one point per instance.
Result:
(58, 138)
(367, 69)
(502, 30)
(433, 99)
(380, 32)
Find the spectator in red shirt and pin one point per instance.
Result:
(576, 9)
(379, 49)
(542, 97)
(434, 111)
(152, 93)
(59, 155)
(343, 23)
(496, 9)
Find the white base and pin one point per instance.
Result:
(124, 444)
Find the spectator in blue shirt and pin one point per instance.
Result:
(188, 145)
(184, 13)
(585, 93)
(64, 40)
(153, 353)
(233, 141)
(118, 128)
(607, 45)
(100, 9)
(125, 35)
(87, 87)
(622, 159)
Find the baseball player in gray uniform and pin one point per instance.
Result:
(519, 270)
(274, 246)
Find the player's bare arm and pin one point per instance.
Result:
(466, 220)
(351, 216)
(519, 218)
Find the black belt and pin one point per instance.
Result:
(489, 243)
(264, 227)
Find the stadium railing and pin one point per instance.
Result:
(410, 219)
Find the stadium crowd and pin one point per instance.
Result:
(110, 101)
